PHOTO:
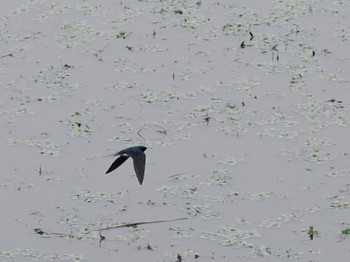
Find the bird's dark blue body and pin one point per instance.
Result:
(138, 156)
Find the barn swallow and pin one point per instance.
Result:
(138, 156)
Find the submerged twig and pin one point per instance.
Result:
(275, 50)
(178, 174)
(140, 223)
(43, 233)
(139, 133)
(206, 119)
(163, 132)
(46, 234)
(101, 239)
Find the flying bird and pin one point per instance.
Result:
(138, 156)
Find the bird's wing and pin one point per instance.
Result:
(117, 163)
(139, 159)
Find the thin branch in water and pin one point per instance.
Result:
(43, 233)
(163, 131)
(206, 119)
(139, 133)
(101, 238)
(140, 223)
(275, 50)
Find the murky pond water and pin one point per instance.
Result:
(244, 108)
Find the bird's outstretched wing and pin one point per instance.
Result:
(139, 159)
(117, 163)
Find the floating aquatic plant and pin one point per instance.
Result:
(46, 146)
(38, 255)
(230, 235)
(92, 197)
(278, 221)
